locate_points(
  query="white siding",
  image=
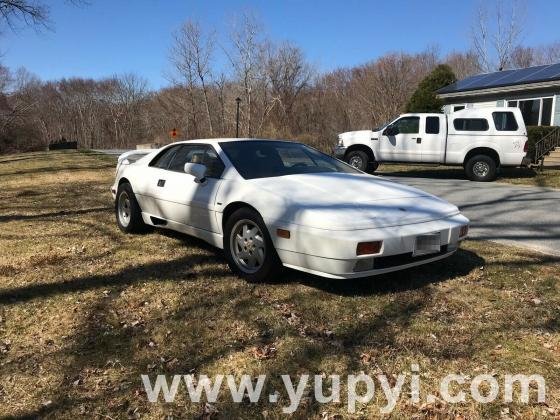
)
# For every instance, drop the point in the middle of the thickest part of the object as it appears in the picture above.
(556, 111)
(488, 104)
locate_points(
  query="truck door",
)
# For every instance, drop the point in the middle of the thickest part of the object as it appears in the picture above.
(399, 141)
(433, 138)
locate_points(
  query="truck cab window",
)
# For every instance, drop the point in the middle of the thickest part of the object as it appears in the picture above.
(408, 125)
(432, 125)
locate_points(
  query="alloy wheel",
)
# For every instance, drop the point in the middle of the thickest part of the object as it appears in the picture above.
(247, 246)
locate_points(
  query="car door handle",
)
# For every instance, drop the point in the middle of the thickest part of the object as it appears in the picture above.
(161, 182)
(418, 139)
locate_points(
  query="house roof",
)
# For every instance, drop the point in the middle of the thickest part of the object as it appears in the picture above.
(501, 79)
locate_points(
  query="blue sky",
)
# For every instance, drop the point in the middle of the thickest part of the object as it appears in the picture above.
(118, 36)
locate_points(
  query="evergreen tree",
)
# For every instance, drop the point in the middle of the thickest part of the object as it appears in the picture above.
(424, 98)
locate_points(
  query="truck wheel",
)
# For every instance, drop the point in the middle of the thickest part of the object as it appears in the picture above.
(373, 166)
(358, 159)
(481, 168)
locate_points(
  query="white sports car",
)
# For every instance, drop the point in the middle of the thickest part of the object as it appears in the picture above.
(270, 203)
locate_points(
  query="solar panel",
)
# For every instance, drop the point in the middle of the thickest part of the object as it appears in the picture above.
(519, 76)
(548, 72)
(506, 78)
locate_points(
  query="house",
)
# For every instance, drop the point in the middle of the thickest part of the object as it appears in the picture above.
(535, 90)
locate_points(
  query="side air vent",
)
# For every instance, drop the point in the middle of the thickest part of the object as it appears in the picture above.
(157, 221)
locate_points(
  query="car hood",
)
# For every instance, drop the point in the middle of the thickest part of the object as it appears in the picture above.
(339, 201)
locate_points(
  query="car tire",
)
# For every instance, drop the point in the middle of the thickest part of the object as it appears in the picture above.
(481, 168)
(357, 159)
(127, 210)
(248, 248)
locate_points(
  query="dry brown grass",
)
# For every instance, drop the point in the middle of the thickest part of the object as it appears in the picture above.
(547, 177)
(85, 309)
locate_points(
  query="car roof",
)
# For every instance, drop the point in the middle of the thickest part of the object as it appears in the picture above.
(227, 140)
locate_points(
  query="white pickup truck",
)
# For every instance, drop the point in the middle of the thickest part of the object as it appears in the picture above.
(480, 139)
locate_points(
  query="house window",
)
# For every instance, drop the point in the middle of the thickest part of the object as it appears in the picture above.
(530, 110)
(546, 115)
(536, 111)
(470, 124)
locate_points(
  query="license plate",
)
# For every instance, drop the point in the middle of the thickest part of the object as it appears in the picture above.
(427, 244)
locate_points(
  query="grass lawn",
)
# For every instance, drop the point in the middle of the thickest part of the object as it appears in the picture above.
(85, 310)
(547, 177)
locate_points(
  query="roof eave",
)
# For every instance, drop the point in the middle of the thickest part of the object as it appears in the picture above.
(500, 89)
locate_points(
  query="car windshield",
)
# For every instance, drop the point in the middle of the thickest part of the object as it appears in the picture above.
(269, 158)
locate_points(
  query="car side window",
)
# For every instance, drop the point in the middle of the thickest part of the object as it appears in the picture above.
(505, 121)
(432, 125)
(162, 160)
(198, 153)
(214, 165)
(187, 154)
(408, 125)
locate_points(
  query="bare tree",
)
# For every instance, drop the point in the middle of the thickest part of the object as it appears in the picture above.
(29, 12)
(463, 64)
(289, 74)
(523, 57)
(496, 35)
(246, 58)
(191, 55)
(5, 79)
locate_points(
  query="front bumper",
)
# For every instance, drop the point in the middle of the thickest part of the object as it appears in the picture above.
(339, 151)
(333, 253)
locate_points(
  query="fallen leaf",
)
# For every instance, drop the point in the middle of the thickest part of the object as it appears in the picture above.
(268, 351)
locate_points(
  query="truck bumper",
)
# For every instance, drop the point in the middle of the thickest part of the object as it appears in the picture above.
(339, 151)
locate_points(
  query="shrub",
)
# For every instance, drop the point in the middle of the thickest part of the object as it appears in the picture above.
(534, 134)
(424, 98)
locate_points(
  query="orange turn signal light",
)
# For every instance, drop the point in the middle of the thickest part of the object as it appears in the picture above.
(368, 248)
(283, 233)
(464, 231)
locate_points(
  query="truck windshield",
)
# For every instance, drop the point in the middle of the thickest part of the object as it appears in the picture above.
(381, 127)
(269, 158)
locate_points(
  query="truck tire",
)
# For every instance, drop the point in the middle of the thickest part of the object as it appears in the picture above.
(481, 168)
(358, 159)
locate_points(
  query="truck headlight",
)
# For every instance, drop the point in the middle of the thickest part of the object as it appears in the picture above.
(340, 142)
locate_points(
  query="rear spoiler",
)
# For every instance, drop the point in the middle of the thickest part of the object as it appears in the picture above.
(133, 156)
(130, 157)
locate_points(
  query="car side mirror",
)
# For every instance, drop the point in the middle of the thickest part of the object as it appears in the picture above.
(197, 170)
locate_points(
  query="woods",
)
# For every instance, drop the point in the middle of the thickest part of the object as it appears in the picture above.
(282, 94)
